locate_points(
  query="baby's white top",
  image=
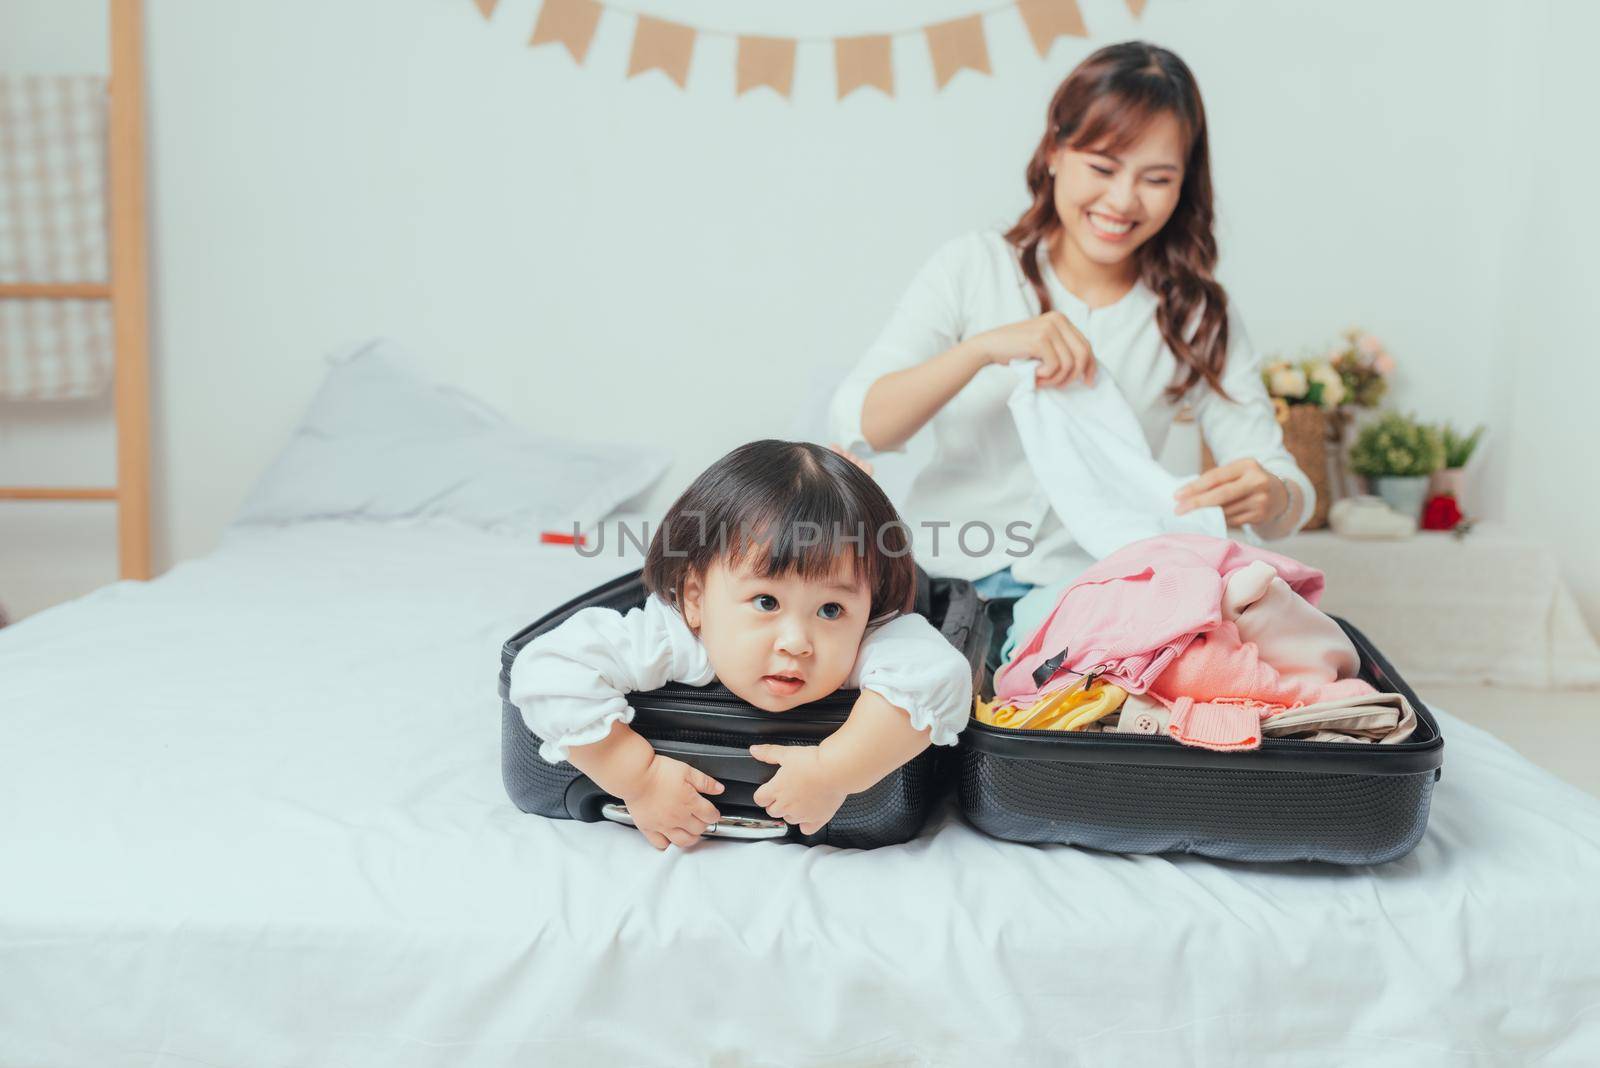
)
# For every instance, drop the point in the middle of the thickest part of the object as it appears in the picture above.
(571, 684)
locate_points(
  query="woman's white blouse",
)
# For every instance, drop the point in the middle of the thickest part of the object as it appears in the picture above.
(978, 471)
(571, 683)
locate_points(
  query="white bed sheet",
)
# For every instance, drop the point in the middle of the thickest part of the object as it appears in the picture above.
(251, 814)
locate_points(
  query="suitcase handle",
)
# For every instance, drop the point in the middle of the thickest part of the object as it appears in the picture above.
(725, 763)
(727, 827)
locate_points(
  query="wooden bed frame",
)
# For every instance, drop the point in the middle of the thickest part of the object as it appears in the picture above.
(128, 293)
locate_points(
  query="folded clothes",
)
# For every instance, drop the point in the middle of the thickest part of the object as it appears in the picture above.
(1379, 718)
(1140, 714)
(1069, 709)
(1224, 724)
(1209, 640)
(1219, 689)
(1131, 614)
(1382, 718)
(1385, 718)
(1300, 641)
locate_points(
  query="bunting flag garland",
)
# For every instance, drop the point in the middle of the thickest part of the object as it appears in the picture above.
(957, 44)
(664, 46)
(765, 61)
(1046, 21)
(570, 23)
(860, 62)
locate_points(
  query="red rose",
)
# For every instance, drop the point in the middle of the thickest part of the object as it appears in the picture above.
(1441, 513)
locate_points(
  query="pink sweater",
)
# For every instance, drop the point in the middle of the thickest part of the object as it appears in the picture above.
(1131, 614)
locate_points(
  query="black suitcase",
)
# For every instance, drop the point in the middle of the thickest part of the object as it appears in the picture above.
(1347, 803)
(710, 728)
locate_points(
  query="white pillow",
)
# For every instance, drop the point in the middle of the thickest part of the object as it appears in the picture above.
(382, 441)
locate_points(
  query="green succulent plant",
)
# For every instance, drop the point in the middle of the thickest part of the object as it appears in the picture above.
(1395, 446)
(1457, 446)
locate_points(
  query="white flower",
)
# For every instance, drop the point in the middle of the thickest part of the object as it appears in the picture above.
(1332, 385)
(1289, 382)
(1369, 346)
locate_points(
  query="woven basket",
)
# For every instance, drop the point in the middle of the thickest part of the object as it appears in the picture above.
(1305, 435)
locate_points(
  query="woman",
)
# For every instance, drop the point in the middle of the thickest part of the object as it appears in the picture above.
(1108, 271)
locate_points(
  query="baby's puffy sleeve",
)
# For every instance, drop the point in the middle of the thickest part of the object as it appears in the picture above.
(570, 683)
(912, 666)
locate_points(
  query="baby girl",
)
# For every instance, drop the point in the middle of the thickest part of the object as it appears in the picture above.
(785, 573)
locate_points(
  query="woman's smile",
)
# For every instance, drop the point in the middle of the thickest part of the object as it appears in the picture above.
(1108, 227)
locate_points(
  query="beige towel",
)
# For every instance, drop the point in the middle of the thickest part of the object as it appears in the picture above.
(1385, 718)
(53, 229)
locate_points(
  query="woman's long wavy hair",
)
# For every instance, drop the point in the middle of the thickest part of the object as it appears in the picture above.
(1106, 103)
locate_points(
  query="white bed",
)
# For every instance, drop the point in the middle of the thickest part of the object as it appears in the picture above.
(251, 814)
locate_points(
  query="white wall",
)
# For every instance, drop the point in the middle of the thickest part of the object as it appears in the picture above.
(1549, 366)
(602, 255)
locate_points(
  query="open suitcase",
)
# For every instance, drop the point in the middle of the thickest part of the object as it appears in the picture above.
(710, 728)
(1348, 803)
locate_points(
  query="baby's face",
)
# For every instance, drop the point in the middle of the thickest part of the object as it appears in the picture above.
(778, 643)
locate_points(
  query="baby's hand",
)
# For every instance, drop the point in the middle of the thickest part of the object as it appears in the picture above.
(804, 792)
(667, 806)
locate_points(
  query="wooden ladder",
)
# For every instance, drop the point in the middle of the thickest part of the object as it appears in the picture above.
(129, 294)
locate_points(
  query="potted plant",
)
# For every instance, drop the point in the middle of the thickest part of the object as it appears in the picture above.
(1398, 454)
(1458, 449)
(1312, 397)
(1365, 367)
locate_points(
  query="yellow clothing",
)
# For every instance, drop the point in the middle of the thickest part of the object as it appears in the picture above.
(1071, 709)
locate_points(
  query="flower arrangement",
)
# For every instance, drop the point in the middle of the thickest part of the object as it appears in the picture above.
(1354, 371)
(1364, 366)
(1458, 447)
(1397, 446)
(1311, 381)
(1314, 399)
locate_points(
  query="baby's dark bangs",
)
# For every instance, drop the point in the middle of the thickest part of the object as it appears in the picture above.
(781, 508)
(806, 534)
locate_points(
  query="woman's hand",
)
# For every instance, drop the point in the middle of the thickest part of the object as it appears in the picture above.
(804, 792)
(1062, 351)
(1246, 492)
(667, 805)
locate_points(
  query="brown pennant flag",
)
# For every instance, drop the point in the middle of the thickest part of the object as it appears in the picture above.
(766, 61)
(1048, 19)
(1137, 7)
(663, 46)
(957, 44)
(567, 22)
(486, 7)
(862, 61)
